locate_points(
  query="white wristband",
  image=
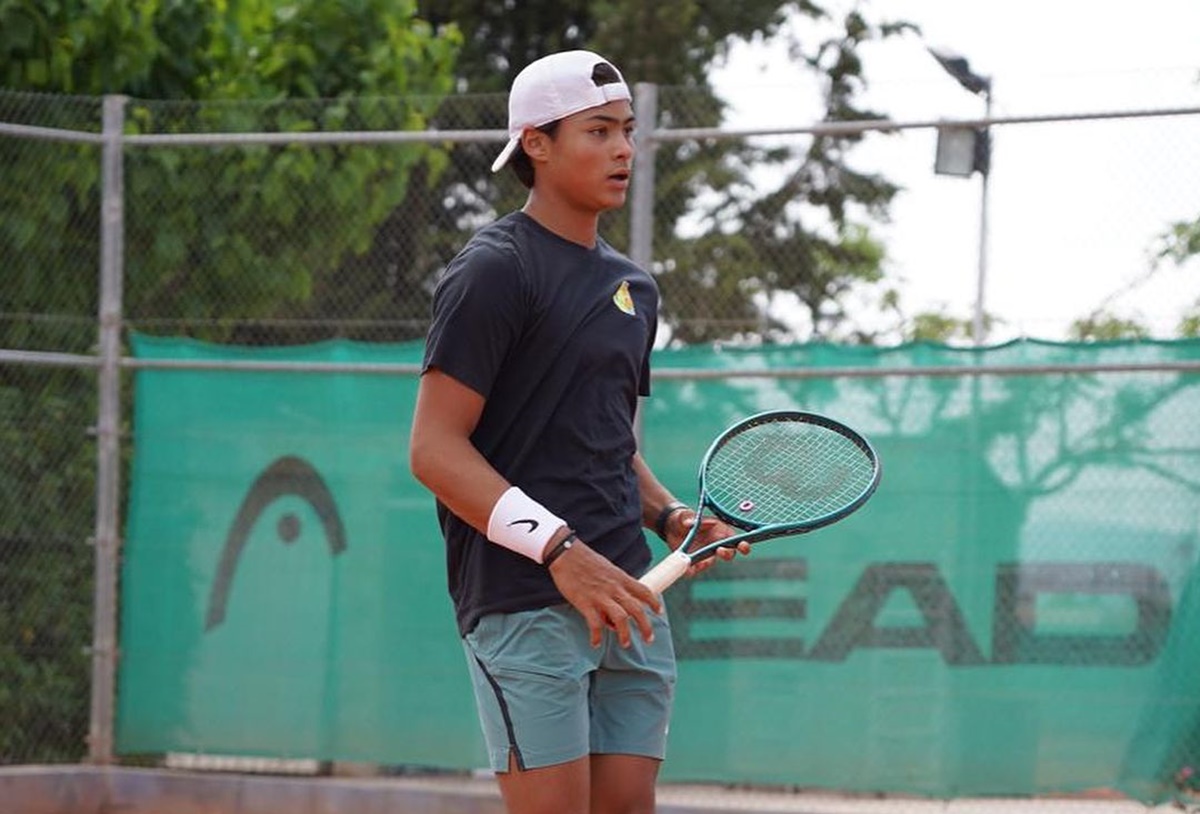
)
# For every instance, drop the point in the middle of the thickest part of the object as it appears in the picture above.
(521, 524)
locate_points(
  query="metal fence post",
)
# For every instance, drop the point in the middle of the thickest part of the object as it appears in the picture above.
(641, 204)
(108, 423)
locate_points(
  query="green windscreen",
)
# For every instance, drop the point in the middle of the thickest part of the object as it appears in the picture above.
(1015, 611)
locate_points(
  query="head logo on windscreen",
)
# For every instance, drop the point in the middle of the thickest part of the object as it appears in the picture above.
(286, 476)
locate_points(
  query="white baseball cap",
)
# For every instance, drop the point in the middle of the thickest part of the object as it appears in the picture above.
(554, 87)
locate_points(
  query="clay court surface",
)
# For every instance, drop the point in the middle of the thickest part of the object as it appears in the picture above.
(99, 790)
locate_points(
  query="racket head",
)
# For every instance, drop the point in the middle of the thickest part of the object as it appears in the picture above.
(787, 472)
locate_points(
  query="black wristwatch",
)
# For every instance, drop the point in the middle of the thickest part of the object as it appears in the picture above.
(660, 524)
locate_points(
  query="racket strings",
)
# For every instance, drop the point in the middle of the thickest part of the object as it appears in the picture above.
(787, 472)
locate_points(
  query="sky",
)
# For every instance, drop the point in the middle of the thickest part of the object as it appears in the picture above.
(1073, 211)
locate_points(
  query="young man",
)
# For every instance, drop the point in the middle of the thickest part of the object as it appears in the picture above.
(524, 431)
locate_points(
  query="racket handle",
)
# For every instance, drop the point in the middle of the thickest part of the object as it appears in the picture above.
(663, 575)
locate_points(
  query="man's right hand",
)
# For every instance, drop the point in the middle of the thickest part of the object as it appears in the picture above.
(604, 594)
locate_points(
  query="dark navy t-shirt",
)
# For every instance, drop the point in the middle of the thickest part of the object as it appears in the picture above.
(556, 337)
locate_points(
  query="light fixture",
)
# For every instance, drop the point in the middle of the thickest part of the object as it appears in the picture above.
(962, 151)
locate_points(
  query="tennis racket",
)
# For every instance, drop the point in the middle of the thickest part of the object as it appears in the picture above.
(775, 474)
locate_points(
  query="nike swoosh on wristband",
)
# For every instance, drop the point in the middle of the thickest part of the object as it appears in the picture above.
(533, 524)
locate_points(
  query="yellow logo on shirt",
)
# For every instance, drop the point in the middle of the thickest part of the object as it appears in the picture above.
(623, 299)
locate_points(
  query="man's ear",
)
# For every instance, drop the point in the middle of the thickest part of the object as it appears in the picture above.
(535, 143)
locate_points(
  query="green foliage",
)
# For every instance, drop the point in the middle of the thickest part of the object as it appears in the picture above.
(809, 233)
(1180, 242)
(264, 227)
(45, 563)
(808, 236)
(224, 49)
(82, 47)
(270, 228)
(1103, 327)
(937, 327)
(1189, 326)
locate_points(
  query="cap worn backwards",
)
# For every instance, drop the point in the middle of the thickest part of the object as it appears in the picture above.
(557, 86)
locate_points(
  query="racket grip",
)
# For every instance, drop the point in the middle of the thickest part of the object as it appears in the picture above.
(663, 575)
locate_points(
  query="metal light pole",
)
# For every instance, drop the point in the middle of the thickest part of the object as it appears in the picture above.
(981, 280)
(980, 160)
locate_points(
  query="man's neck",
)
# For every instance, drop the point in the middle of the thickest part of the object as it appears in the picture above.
(565, 221)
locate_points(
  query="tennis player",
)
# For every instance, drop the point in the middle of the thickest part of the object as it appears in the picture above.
(524, 431)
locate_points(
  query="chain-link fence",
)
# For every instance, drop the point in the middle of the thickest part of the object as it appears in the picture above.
(284, 223)
(49, 253)
(263, 223)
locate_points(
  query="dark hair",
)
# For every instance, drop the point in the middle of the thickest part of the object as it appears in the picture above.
(602, 74)
(520, 162)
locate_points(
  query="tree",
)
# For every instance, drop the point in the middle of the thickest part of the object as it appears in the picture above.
(253, 231)
(807, 238)
(938, 327)
(1103, 327)
(1178, 244)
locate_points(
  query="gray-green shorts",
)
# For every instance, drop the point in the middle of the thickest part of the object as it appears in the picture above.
(546, 696)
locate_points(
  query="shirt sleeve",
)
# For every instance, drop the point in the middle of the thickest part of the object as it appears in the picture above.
(478, 310)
